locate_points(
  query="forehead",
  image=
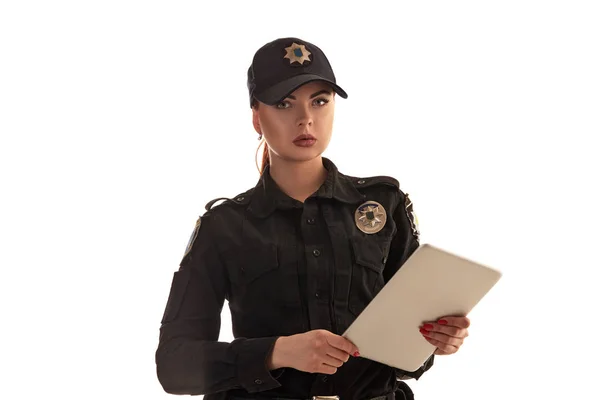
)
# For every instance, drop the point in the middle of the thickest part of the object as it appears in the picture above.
(311, 87)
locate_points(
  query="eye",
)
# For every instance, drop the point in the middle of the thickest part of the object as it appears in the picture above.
(283, 105)
(320, 102)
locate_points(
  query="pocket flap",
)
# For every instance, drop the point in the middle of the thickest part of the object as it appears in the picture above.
(251, 262)
(369, 253)
(176, 295)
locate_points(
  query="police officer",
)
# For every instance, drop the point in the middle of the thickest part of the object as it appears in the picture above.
(297, 257)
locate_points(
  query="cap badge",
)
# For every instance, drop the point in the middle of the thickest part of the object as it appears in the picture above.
(370, 217)
(297, 53)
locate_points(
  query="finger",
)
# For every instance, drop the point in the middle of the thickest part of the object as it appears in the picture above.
(443, 338)
(442, 348)
(332, 361)
(460, 322)
(338, 354)
(342, 343)
(326, 369)
(448, 330)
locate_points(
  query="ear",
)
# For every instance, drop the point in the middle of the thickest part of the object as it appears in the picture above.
(256, 121)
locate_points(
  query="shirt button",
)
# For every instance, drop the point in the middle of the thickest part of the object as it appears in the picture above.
(258, 382)
(310, 221)
(316, 253)
(360, 182)
(324, 379)
(384, 260)
(317, 294)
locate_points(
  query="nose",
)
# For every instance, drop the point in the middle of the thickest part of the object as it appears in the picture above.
(304, 116)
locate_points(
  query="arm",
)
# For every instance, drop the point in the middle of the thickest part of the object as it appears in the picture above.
(404, 243)
(189, 358)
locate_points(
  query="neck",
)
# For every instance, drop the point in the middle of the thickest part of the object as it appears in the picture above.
(298, 179)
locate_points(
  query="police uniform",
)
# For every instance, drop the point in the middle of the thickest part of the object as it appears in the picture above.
(285, 267)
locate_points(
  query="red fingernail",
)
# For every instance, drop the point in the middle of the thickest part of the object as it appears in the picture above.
(428, 327)
(423, 331)
(443, 322)
(356, 354)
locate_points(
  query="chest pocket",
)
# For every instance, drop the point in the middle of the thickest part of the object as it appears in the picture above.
(369, 258)
(262, 275)
(250, 263)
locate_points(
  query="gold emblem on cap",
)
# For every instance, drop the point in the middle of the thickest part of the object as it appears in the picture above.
(370, 217)
(297, 53)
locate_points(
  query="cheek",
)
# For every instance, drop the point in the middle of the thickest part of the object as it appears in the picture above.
(274, 124)
(326, 124)
(274, 129)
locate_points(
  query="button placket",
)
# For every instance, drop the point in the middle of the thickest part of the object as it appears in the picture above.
(316, 264)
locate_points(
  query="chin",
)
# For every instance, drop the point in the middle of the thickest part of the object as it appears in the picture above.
(305, 154)
(301, 154)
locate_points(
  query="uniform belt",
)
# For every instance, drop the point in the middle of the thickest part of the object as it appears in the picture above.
(389, 396)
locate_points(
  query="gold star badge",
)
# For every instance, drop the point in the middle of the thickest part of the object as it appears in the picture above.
(297, 53)
(370, 217)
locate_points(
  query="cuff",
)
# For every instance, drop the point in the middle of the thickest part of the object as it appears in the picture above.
(402, 375)
(252, 372)
(276, 373)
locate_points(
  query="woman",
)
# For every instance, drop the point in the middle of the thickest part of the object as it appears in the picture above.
(298, 257)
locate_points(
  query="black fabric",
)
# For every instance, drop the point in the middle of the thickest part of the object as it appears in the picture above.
(285, 267)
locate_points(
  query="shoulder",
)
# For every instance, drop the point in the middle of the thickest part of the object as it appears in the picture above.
(223, 210)
(368, 185)
(220, 213)
(374, 181)
(240, 200)
(386, 188)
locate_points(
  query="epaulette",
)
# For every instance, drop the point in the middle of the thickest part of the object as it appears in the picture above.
(361, 183)
(240, 199)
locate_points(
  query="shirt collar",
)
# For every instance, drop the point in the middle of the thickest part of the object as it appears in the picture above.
(267, 196)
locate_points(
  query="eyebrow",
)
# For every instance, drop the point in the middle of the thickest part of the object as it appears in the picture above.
(324, 91)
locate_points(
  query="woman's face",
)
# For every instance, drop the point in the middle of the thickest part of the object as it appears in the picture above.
(307, 111)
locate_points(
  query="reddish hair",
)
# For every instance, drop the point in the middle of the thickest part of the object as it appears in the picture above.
(265, 154)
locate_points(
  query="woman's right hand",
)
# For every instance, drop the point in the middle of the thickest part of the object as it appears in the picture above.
(317, 351)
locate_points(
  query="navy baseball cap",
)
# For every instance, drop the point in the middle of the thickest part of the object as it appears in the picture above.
(283, 65)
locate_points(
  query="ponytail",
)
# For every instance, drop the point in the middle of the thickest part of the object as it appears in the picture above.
(265, 154)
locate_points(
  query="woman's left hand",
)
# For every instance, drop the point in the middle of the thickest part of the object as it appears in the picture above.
(447, 334)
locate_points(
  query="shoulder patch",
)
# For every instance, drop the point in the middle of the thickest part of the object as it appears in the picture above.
(243, 198)
(412, 217)
(375, 180)
(193, 237)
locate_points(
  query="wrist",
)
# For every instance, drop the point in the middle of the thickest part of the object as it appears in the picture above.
(276, 359)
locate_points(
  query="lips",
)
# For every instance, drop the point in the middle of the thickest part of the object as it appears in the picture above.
(304, 136)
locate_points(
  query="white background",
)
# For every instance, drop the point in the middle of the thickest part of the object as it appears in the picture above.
(121, 119)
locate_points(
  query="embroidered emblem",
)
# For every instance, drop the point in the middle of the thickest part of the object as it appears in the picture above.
(370, 217)
(297, 53)
(412, 217)
(193, 237)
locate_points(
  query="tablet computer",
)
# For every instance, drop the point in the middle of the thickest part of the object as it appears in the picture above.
(431, 284)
